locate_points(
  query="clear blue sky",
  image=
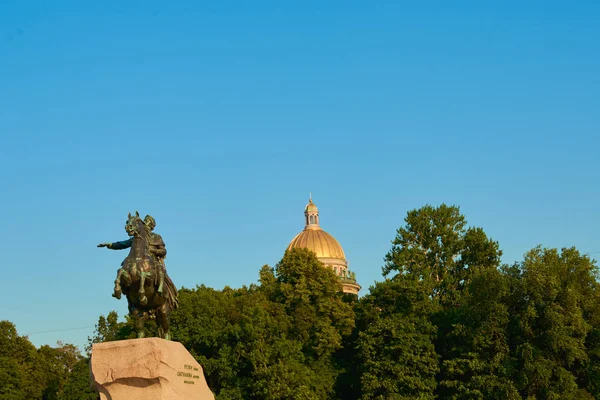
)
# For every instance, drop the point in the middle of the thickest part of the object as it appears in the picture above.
(219, 118)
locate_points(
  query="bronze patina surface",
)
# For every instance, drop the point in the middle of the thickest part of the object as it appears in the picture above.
(143, 276)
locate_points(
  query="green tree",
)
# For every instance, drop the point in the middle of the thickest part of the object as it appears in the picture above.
(109, 329)
(395, 352)
(477, 361)
(556, 324)
(20, 373)
(55, 365)
(435, 248)
(589, 377)
(239, 338)
(77, 386)
(449, 262)
(202, 324)
(11, 380)
(319, 317)
(274, 340)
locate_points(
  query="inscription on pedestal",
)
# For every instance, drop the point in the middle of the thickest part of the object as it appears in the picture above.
(147, 369)
(188, 374)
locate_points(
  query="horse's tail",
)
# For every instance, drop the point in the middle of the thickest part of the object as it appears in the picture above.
(171, 294)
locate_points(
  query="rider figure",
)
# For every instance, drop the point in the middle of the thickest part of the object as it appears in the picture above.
(156, 248)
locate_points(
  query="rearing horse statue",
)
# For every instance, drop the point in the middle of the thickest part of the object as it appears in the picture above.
(137, 279)
(138, 265)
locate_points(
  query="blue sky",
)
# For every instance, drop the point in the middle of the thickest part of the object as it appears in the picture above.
(219, 119)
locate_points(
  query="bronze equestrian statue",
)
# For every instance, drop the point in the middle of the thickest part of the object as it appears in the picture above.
(143, 277)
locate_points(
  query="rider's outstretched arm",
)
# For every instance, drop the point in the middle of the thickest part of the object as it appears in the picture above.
(125, 244)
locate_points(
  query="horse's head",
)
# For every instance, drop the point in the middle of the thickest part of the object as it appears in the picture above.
(135, 226)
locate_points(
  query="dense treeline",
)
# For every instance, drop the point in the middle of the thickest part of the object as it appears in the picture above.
(49, 373)
(448, 321)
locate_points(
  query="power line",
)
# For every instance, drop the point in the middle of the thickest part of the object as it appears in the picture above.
(59, 330)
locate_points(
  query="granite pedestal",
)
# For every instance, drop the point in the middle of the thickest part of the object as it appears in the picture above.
(146, 369)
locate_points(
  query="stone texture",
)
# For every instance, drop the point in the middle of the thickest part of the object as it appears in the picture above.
(147, 369)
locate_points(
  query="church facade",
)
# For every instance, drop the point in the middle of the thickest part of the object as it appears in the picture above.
(326, 247)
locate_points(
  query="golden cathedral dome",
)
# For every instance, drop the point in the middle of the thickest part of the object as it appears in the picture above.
(327, 249)
(319, 241)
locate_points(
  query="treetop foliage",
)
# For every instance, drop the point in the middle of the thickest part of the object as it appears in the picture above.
(447, 321)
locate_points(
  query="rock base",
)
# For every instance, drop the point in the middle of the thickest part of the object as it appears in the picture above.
(146, 369)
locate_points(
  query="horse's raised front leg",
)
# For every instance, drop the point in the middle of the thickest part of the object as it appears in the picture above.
(117, 292)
